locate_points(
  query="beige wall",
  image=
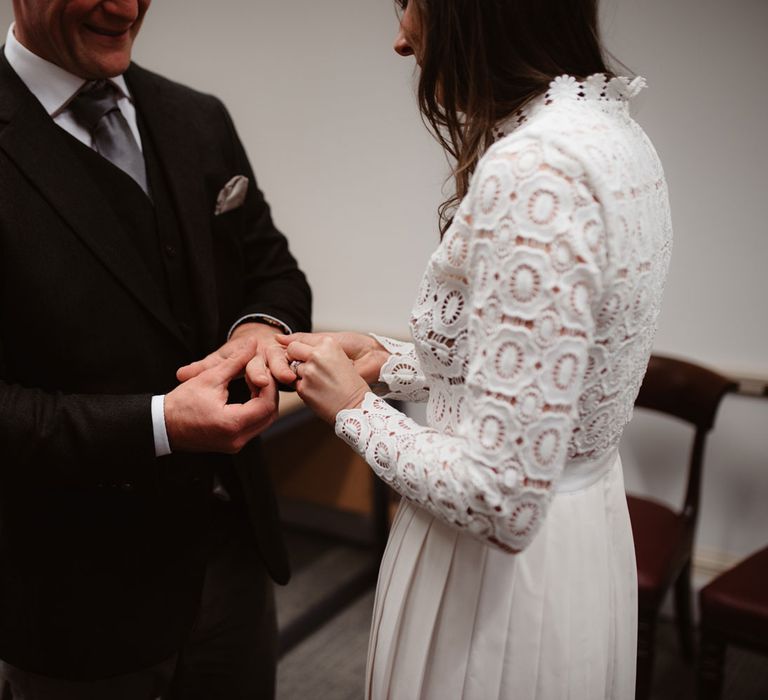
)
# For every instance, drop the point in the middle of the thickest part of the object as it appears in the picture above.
(326, 111)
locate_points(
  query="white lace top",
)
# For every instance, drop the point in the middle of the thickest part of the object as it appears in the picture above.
(535, 318)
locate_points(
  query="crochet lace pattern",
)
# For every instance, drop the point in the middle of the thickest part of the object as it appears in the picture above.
(535, 317)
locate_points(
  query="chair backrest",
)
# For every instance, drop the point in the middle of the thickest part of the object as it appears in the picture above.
(684, 390)
(691, 393)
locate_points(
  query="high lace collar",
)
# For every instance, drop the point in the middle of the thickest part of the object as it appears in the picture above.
(599, 87)
(607, 91)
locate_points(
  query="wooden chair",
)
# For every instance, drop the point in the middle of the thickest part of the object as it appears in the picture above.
(734, 610)
(664, 537)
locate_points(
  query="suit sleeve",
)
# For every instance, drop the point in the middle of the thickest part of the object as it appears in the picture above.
(56, 438)
(274, 285)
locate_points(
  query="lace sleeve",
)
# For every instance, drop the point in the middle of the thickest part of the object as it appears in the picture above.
(402, 373)
(530, 323)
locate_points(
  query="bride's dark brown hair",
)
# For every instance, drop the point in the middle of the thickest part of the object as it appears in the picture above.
(482, 60)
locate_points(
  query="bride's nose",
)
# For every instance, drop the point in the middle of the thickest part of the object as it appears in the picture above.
(402, 46)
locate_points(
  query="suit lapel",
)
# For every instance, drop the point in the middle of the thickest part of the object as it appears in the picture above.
(40, 150)
(175, 143)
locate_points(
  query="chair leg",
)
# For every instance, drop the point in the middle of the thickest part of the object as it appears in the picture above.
(684, 612)
(646, 639)
(709, 676)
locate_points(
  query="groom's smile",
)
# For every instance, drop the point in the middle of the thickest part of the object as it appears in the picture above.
(92, 39)
(107, 32)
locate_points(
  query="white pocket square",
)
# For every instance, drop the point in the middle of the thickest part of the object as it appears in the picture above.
(232, 195)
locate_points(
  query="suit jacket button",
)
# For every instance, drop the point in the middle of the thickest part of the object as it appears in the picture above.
(170, 251)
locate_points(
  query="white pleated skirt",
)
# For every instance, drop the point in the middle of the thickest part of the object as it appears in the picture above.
(455, 618)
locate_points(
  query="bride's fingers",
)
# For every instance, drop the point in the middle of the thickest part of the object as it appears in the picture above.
(306, 338)
(299, 351)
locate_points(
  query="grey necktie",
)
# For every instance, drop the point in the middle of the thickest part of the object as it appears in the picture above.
(95, 108)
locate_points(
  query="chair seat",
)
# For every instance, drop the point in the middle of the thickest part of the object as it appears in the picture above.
(736, 602)
(660, 535)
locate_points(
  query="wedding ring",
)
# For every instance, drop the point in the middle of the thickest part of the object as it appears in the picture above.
(295, 367)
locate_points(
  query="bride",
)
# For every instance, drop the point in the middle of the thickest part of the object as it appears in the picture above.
(510, 569)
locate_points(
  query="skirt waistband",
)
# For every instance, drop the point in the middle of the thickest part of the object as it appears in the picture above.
(582, 474)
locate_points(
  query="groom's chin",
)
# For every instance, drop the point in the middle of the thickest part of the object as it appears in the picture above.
(101, 57)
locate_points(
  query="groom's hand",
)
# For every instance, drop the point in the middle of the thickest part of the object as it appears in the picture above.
(199, 419)
(267, 359)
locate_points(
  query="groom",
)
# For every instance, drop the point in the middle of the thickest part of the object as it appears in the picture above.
(138, 532)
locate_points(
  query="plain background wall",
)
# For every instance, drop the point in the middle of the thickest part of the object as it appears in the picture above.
(327, 113)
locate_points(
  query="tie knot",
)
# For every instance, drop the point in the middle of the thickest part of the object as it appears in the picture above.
(94, 101)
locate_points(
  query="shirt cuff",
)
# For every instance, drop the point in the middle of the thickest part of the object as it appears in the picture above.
(162, 446)
(261, 318)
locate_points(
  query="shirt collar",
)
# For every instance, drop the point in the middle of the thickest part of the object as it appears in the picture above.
(53, 86)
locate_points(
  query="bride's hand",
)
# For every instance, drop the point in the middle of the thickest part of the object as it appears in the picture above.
(327, 379)
(366, 353)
